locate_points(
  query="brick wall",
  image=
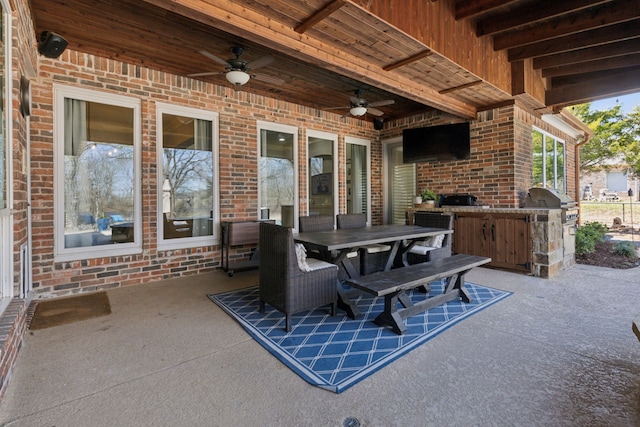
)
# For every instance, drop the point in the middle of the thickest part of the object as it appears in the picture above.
(238, 113)
(499, 170)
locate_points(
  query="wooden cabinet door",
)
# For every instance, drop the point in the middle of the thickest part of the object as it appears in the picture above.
(471, 234)
(510, 241)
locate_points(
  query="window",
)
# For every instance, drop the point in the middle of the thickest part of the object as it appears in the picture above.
(548, 161)
(96, 173)
(187, 176)
(6, 246)
(358, 165)
(322, 180)
(278, 185)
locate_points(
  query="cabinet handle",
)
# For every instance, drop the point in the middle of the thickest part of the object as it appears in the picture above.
(493, 232)
(484, 231)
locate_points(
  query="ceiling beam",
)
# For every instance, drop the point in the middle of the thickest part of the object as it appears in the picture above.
(607, 14)
(243, 22)
(609, 50)
(409, 60)
(469, 8)
(586, 90)
(531, 13)
(599, 36)
(592, 66)
(320, 15)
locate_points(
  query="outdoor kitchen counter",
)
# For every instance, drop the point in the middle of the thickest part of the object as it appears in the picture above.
(552, 241)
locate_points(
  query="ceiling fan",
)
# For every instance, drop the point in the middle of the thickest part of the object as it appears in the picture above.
(237, 69)
(359, 106)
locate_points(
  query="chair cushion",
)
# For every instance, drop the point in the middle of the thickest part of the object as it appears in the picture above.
(433, 241)
(376, 248)
(301, 255)
(421, 250)
(317, 264)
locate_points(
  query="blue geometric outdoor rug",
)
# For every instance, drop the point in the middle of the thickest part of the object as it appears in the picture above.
(335, 353)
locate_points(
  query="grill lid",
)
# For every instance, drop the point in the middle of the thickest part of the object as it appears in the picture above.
(539, 197)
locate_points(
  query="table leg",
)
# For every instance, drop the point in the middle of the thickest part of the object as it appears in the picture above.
(345, 303)
(390, 315)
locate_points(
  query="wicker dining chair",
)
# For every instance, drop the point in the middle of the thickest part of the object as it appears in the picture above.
(423, 252)
(315, 223)
(286, 287)
(372, 257)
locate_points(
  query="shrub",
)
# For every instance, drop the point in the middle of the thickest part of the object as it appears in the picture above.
(625, 249)
(588, 235)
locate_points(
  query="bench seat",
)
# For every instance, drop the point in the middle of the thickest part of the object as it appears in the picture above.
(392, 285)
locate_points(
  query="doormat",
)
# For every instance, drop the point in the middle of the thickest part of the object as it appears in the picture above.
(337, 352)
(61, 311)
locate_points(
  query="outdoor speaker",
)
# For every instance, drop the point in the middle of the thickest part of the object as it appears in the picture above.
(377, 123)
(51, 44)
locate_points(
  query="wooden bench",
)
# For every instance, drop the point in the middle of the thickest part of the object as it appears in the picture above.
(392, 285)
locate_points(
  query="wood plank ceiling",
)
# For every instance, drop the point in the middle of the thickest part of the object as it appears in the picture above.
(324, 50)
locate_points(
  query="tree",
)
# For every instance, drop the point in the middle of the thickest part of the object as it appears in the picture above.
(616, 136)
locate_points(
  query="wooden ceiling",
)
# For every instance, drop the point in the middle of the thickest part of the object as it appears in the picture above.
(585, 49)
(324, 50)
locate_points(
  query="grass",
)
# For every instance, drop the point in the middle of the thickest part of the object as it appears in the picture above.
(605, 212)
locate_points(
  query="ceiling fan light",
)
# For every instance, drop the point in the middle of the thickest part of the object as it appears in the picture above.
(237, 77)
(358, 111)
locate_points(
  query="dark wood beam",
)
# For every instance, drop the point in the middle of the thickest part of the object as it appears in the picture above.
(599, 36)
(408, 60)
(533, 12)
(469, 8)
(586, 90)
(592, 66)
(464, 86)
(601, 16)
(609, 50)
(319, 15)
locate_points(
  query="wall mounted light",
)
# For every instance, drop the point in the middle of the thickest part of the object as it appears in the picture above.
(237, 77)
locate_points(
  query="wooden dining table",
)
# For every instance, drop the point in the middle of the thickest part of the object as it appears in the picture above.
(336, 244)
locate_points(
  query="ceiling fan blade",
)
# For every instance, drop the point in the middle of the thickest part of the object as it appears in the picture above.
(374, 111)
(214, 58)
(381, 103)
(208, 73)
(268, 79)
(260, 62)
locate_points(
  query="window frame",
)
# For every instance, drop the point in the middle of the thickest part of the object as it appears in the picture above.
(334, 140)
(366, 143)
(556, 141)
(6, 214)
(60, 93)
(293, 130)
(194, 241)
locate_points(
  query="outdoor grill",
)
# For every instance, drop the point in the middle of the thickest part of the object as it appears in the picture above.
(552, 199)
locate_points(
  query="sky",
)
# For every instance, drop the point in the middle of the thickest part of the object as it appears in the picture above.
(627, 101)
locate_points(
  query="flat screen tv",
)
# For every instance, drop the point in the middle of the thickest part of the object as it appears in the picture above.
(444, 142)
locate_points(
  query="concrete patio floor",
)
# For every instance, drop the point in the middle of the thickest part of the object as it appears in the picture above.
(557, 352)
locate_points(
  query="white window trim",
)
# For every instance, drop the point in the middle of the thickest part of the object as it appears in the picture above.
(60, 92)
(334, 138)
(188, 242)
(556, 141)
(277, 127)
(6, 215)
(366, 143)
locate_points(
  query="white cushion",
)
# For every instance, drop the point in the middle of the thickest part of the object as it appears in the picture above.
(376, 248)
(301, 255)
(433, 241)
(421, 250)
(316, 264)
(352, 254)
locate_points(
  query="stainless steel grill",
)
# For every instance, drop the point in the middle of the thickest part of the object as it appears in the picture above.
(552, 199)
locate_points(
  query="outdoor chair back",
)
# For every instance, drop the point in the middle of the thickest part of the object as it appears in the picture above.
(434, 220)
(283, 284)
(372, 257)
